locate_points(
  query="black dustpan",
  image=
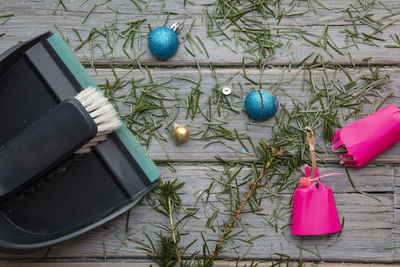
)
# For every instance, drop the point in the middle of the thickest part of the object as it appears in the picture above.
(82, 192)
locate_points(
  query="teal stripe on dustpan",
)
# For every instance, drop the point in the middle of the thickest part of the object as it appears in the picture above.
(83, 77)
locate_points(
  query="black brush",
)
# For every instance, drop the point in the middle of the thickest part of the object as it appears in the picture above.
(75, 125)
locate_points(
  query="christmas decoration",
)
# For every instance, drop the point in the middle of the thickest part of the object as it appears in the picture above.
(314, 207)
(305, 181)
(226, 91)
(181, 133)
(260, 105)
(369, 137)
(164, 42)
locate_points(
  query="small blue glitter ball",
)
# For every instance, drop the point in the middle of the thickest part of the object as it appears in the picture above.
(260, 105)
(163, 42)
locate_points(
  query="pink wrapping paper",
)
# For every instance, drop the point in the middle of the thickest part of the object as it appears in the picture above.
(369, 137)
(314, 210)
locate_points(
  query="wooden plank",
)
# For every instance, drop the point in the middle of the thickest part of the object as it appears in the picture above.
(368, 179)
(269, 77)
(367, 244)
(154, 8)
(146, 263)
(367, 233)
(35, 17)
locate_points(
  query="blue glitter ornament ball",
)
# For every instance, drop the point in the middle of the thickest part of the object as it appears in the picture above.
(163, 42)
(260, 105)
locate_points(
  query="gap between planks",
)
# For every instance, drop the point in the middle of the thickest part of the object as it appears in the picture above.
(396, 215)
(276, 63)
(143, 263)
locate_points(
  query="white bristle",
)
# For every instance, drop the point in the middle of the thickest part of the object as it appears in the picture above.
(102, 112)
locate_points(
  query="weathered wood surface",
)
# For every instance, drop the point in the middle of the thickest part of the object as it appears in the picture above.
(269, 77)
(372, 228)
(35, 16)
(368, 234)
(146, 263)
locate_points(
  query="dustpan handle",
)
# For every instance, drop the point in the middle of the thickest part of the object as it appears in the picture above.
(45, 144)
(311, 145)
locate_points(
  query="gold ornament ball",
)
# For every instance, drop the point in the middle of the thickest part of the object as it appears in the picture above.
(181, 134)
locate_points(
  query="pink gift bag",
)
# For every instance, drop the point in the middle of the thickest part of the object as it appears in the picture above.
(369, 137)
(314, 209)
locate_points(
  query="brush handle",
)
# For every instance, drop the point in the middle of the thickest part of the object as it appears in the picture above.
(45, 144)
